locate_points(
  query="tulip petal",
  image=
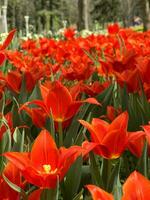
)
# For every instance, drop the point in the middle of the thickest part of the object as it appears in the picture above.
(91, 129)
(115, 143)
(120, 122)
(72, 109)
(99, 194)
(58, 100)
(136, 187)
(2, 58)
(8, 39)
(100, 127)
(35, 195)
(67, 158)
(136, 142)
(20, 160)
(92, 101)
(44, 151)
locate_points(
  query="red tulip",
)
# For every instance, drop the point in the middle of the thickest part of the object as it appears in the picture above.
(99, 194)
(45, 164)
(5, 45)
(136, 142)
(13, 81)
(12, 173)
(111, 138)
(130, 78)
(136, 187)
(113, 28)
(58, 101)
(69, 33)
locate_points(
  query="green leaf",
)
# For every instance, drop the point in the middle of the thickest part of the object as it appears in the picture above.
(6, 141)
(15, 187)
(2, 104)
(106, 171)
(106, 96)
(79, 138)
(18, 140)
(36, 93)
(106, 99)
(113, 178)
(51, 194)
(78, 196)
(124, 98)
(72, 180)
(23, 95)
(73, 129)
(16, 118)
(95, 170)
(50, 126)
(142, 165)
(117, 189)
(5, 144)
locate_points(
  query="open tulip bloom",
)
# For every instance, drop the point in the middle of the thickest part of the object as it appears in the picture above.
(45, 164)
(111, 138)
(136, 187)
(58, 101)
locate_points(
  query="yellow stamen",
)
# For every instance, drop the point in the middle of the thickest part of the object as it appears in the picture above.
(47, 169)
(115, 156)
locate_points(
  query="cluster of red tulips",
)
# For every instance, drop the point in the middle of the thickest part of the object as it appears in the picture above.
(75, 117)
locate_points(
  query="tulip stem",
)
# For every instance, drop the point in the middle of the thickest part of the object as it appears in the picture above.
(105, 171)
(49, 194)
(97, 178)
(60, 131)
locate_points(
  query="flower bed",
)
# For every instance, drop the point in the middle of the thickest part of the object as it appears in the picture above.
(75, 117)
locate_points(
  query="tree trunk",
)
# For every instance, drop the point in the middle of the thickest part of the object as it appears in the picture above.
(145, 13)
(51, 17)
(86, 14)
(81, 23)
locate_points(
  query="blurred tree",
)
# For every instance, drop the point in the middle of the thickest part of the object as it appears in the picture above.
(128, 11)
(104, 11)
(17, 9)
(44, 14)
(144, 7)
(81, 23)
(133, 8)
(49, 14)
(86, 13)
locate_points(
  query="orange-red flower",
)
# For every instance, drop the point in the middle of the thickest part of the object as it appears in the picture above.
(45, 164)
(113, 28)
(130, 78)
(12, 174)
(5, 45)
(136, 142)
(111, 138)
(69, 33)
(136, 187)
(58, 101)
(99, 194)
